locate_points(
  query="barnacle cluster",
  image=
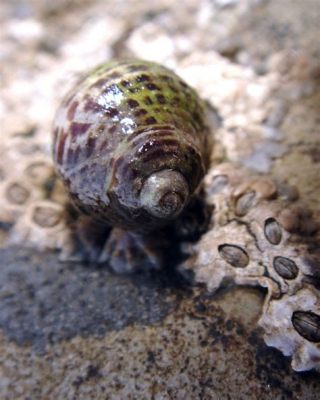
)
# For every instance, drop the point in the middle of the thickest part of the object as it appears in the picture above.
(261, 235)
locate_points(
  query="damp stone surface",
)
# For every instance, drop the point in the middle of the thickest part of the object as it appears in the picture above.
(256, 63)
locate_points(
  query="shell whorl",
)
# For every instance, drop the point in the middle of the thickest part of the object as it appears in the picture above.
(164, 194)
(117, 130)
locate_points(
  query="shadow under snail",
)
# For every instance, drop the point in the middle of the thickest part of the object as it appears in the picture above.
(132, 145)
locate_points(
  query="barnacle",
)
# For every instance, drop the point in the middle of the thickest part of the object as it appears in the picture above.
(261, 235)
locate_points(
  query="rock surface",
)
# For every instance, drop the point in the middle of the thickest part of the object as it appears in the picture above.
(74, 332)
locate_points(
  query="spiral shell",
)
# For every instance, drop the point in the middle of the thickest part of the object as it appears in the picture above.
(131, 144)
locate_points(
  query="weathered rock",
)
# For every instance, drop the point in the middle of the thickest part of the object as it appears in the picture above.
(238, 55)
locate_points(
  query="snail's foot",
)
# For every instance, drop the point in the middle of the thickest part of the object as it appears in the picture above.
(127, 252)
(194, 221)
(86, 239)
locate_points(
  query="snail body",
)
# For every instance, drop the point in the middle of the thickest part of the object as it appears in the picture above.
(131, 144)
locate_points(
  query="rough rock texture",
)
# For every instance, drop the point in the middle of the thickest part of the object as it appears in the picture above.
(261, 235)
(256, 63)
(79, 333)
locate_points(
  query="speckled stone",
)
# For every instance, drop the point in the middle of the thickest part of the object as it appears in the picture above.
(79, 333)
(176, 344)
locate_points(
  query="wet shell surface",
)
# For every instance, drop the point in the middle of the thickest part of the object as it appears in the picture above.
(131, 144)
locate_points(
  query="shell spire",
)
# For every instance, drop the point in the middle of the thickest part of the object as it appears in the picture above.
(131, 144)
(164, 194)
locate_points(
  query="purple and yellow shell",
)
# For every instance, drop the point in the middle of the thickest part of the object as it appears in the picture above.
(131, 144)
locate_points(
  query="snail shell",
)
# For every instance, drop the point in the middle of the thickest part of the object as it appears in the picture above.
(131, 144)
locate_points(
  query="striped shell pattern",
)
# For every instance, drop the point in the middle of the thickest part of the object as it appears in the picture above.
(131, 144)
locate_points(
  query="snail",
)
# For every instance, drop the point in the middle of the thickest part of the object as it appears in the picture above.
(132, 145)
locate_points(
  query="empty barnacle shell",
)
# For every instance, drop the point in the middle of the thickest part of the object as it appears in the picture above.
(17, 193)
(285, 267)
(218, 183)
(307, 324)
(244, 203)
(234, 255)
(43, 224)
(46, 216)
(272, 231)
(291, 323)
